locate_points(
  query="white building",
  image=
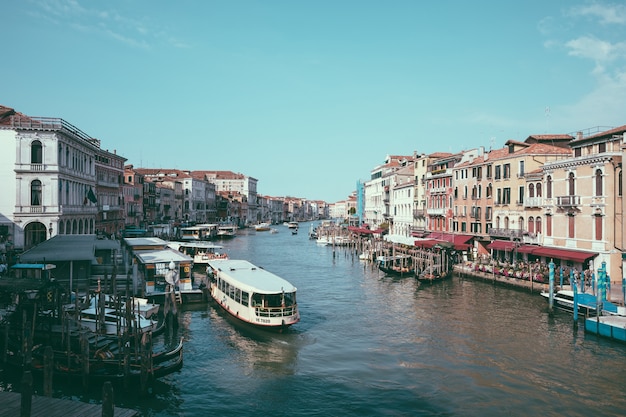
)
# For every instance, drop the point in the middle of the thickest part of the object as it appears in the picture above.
(402, 201)
(47, 179)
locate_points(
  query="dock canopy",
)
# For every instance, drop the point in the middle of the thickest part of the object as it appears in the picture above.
(404, 240)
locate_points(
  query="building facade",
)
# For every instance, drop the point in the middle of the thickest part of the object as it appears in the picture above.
(49, 180)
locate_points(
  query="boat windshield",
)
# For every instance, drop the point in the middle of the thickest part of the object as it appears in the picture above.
(274, 300)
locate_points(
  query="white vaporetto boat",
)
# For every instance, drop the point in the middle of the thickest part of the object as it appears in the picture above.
(201, 252)
(226, 231)
(252, 294)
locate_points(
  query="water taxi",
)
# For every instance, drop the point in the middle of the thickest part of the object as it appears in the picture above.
(262, 227)
(252, 294)
(198, 232)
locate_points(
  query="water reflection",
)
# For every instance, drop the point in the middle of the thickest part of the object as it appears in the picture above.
(257, 349)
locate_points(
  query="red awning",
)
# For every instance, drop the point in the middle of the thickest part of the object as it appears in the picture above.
(505, 245)
(527, 248)
(563, 254)
(459, 241)
(363, 230)
(426, 243)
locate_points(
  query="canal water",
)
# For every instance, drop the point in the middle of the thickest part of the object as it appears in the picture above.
(372, 345)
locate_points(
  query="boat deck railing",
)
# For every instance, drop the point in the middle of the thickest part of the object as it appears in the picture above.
(276, 311)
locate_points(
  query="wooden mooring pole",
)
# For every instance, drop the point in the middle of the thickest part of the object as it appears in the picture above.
(27, 394)
(48, 364)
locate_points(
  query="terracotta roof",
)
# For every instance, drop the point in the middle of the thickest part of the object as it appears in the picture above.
(5, 113)
(165, 172)
(608, 133)
(440, 154)
(545, 149)
(220, 175)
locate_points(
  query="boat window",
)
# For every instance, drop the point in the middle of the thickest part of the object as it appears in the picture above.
(290, 298)
(257, 300)
(238, 295)
(244, 298)
(273, 300)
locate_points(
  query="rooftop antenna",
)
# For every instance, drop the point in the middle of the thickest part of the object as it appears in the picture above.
(547, 112)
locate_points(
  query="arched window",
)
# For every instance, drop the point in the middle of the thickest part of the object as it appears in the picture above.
(520, 221)
(571, 182)
(598, 182)
(35, 193)
(489, 190)
(538, 189)
(531, 225)
(36, 152)
(538, 225)
(531, 190)
(506, 223)
(549, 186)
(480, 191)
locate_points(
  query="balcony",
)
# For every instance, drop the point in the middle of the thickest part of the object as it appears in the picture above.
(568, 201)
(531, 202)
(436, 211)
(419, 213)
(508, 233)
(78, 209)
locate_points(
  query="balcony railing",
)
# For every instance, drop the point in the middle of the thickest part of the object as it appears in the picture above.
(568, 200)
(509, 233)
(419, 213)
(533, 202)
(436, 211)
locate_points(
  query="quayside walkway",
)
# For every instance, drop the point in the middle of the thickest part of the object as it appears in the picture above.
(55, 407)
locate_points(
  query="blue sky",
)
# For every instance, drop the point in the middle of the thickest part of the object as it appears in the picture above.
(309, 96)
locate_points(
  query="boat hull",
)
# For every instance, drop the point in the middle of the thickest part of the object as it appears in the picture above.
(265, 321)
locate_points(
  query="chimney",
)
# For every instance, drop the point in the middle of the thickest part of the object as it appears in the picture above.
(579, 135)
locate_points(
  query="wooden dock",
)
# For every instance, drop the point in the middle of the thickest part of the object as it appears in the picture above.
(55, 407)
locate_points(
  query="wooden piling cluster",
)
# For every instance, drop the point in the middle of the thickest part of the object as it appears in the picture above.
(370, 247)
(43, 318)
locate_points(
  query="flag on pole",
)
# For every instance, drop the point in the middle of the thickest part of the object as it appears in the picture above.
(91, 196)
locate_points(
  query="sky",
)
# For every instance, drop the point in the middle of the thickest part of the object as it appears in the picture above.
(308, 97)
